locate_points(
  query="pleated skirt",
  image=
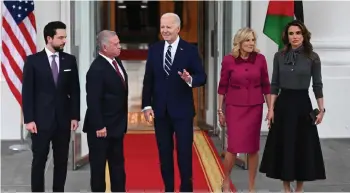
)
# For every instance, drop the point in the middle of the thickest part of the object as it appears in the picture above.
(292, 151)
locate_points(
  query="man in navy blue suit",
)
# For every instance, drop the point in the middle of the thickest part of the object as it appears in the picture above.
(173, 68)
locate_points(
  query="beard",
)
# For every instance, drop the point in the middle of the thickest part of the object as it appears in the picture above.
(58, 48)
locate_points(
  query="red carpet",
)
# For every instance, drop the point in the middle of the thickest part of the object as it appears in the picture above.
(133, 55)
(142, 164)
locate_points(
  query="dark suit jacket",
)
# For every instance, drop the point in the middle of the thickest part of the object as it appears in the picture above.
(42, 100)
(171, 93)
(107, 99)
(244, 82)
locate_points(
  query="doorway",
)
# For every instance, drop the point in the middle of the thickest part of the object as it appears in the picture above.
(137, 25)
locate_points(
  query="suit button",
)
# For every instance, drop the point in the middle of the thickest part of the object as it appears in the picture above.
(246, 69)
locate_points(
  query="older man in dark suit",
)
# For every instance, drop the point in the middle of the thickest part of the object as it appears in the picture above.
(173, 68)
(107, 114)
(51, 105)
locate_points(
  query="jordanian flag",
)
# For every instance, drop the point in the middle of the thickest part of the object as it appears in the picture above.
(279, 14)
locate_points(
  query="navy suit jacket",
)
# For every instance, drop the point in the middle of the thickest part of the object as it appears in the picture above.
(42, 100)
(170, 94)
(106, 98)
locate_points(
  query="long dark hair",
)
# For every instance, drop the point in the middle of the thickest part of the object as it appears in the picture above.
(306, 35)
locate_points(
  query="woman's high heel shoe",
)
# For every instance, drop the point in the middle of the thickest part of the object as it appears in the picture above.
(225, 187)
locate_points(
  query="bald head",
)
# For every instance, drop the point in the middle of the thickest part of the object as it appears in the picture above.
(108, 43)
(170, 27)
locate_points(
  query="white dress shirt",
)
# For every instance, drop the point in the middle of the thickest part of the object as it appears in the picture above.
(110, 61)
(57, 58)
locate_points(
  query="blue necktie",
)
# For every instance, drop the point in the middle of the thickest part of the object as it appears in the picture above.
(168, 61)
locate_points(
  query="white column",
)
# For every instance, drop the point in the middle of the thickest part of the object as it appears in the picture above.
(331, 40)
(66, 18)
(85, 41)
(219, 40)
(209, 61)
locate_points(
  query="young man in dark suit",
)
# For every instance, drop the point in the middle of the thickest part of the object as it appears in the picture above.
(51, 105)
(173, 68)
(107, 114)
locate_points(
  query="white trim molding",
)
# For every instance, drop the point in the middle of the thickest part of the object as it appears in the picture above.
(331, 44)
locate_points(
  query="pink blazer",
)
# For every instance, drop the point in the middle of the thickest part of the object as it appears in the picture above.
(244, 82)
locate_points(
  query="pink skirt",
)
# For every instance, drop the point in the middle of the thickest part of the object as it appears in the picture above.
(243, 128)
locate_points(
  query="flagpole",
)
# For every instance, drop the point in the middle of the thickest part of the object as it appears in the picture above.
(22, 146)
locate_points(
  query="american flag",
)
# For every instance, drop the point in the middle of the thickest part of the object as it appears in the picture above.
(18, 36)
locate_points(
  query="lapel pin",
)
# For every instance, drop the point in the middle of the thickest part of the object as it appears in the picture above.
(181, 49)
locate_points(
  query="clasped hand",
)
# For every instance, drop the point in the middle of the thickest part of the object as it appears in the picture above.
(101, 132)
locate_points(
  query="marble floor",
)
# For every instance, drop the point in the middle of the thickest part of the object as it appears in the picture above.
(15, 171)
(135, 71)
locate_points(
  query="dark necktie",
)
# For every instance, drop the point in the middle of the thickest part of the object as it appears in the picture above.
(118, 72)
(167, 61)
(54, 69)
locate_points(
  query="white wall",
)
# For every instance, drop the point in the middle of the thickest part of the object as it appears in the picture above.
(266, 46)
(331, 40)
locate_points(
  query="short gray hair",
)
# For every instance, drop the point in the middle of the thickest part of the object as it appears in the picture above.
(175, 16)
(103, 38)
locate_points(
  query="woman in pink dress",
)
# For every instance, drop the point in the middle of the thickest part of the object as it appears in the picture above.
(244, 83)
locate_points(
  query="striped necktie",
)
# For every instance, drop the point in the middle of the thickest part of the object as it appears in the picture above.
(168, 61)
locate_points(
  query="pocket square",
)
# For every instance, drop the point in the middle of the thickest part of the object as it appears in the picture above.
(67, 70)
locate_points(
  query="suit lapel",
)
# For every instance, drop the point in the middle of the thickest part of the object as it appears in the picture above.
(123, 69)
(177, 58)
(112, 69)
(178, 54)
(62, 65)
(161, 55)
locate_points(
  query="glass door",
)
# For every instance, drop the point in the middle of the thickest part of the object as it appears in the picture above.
(86, 23)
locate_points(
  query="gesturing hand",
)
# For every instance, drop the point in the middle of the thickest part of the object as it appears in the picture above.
(185, 75)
